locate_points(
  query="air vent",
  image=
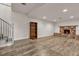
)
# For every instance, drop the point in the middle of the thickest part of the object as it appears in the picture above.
(23, 3)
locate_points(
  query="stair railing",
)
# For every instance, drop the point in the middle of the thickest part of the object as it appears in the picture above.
(6, 31)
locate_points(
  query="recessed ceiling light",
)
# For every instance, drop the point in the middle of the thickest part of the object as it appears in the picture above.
(44, 17)
(54, 20)
(65, 10)
(71, 17)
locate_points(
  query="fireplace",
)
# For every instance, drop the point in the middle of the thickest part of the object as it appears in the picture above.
(66, 31)
(69, 31)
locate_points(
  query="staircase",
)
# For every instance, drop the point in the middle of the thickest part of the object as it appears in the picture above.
(6, 32)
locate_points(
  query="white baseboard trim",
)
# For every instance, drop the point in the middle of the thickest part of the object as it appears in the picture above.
(20, 38)
(28, 38)
(44, 36)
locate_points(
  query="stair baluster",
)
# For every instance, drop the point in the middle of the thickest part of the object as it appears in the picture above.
(6, 31)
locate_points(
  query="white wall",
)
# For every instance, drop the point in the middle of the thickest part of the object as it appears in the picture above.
(5, 13)
(45, 28)
(67, 23)
(21, 26)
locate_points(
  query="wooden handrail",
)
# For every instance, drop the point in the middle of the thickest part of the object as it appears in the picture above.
(4, 21)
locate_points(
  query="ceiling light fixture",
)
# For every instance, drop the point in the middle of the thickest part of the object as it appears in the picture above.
(54, 20)
(71, 17)
(44, 17)
(65, 10)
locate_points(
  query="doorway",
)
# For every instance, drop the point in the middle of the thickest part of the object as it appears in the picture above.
(33, 30)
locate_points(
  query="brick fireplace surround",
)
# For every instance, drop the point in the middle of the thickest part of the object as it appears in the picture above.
(68, 31)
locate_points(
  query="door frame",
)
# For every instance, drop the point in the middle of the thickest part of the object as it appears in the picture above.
(35, 37)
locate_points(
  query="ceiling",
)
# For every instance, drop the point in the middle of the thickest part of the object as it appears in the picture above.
(6, 4)
(48, 11)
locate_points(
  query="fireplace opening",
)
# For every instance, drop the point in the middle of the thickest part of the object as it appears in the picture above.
(66, 31)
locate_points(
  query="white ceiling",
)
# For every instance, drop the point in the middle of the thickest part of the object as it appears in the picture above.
(52, 11)
(7, 4)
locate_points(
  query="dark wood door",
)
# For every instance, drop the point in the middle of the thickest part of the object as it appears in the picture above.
(33, 30)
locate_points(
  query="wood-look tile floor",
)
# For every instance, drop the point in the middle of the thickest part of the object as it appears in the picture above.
(48, 46)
